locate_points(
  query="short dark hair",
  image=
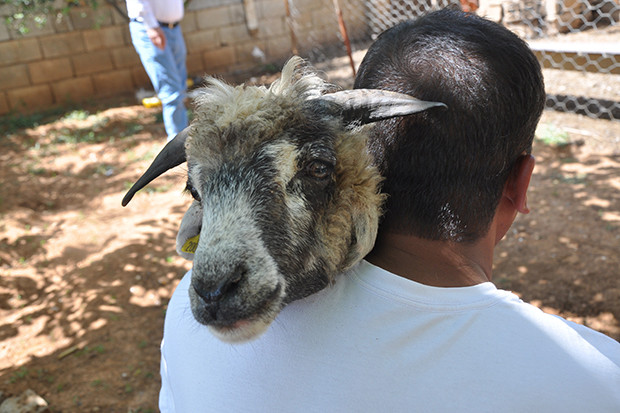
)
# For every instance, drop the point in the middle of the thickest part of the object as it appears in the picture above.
(445, 169)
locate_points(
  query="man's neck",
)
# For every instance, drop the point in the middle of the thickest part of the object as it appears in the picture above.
(434, 263)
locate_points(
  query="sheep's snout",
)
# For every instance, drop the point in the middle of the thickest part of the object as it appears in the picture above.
(211, 296)
(236, 298)
(231, 312)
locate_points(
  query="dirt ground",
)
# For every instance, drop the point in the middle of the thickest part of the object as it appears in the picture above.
(84, 282)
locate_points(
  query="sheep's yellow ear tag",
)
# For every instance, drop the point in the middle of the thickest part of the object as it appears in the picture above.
(191, 244)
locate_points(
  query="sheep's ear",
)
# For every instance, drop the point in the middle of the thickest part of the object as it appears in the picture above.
(189, 231)
(171, 155)
(372, 105)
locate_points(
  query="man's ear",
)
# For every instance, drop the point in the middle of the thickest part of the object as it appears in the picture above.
(518, 182)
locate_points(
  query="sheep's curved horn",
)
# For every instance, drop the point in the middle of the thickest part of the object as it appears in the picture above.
(372, 105)
(171, 155)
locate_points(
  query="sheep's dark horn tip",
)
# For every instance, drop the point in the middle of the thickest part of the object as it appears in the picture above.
(126, 199)
(173, 154)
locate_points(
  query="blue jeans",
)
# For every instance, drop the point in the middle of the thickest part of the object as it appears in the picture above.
(167, 71)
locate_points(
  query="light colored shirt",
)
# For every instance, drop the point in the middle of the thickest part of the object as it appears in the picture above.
(151, 11)
(377, 342)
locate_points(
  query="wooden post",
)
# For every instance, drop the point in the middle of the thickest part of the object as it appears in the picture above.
(345, 35)
(289, 21)
(251, 21)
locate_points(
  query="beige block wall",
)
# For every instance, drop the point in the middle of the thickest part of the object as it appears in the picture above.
(30, 98)
(14, 76)
(64, 44)
(73, 90)
(4, 103)
(89, 52)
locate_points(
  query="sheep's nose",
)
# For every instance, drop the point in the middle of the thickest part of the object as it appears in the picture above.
(213, 293)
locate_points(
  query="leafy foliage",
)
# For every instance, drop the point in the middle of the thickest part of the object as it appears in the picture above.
(25, 13)
(552, 135)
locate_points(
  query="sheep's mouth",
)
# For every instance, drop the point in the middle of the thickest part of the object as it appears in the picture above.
(241, 331)
(238, 323)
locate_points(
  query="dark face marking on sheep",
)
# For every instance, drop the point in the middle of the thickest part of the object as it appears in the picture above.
(259, 244)
(285, 194)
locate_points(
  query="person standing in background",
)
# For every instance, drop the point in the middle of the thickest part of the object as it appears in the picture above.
(156, 35)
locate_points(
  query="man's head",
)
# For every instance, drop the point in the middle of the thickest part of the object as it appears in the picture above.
(445, 169)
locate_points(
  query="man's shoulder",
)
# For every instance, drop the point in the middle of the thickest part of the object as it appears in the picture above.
(557, 329)
(494, 316)
(509, 355)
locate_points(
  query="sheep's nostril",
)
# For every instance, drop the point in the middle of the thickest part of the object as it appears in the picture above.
(213, 294)
(224, 287)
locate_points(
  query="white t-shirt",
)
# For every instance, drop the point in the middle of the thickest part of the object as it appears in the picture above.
(151, 11)
(377, 342)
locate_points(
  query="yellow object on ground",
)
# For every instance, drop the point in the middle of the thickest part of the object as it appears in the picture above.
(152, 102)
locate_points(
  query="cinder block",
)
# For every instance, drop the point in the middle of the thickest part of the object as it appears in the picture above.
(195, 5)
(198, 5)
(231, 35)
(20, 51)
(4, 104)
(278, 48)
(270, 9)
(113, 83)
(220, 58)
(50, 70)
(195, 66)
(305, 5)
(325, 18)
(304, 20)
(125, 57)
(140, 78)
(201, 40)
(205, 4)
(14, 76)
(62, 44)
(126, 34)
(356, 22)
(94, 62)
(4, 33)
(62, 24)
(106, 37)
(73, 90)
(32, 29)
(120, 18)
(272, 27)
(327, 33)
(213, 17)
(353, 14)
(189, 24)
(243, 53)
(85, 18)
(236, 13)
(30, 98)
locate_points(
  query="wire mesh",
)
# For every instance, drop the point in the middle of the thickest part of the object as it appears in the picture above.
(576, 41)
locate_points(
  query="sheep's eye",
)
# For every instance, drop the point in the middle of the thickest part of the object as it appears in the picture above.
(190, 188)
(319, 170)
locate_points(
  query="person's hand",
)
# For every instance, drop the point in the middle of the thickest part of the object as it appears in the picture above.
(158, 37)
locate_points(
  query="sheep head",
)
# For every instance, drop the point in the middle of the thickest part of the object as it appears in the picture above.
(285, 193)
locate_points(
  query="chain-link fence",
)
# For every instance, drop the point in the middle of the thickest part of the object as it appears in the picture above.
(576, 41)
